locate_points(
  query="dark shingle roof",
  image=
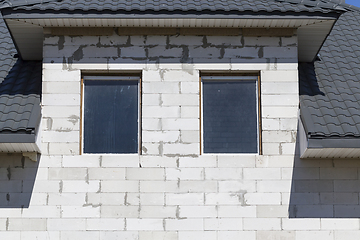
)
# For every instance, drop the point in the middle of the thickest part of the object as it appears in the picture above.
(20, 98)
(330, 88)
(323, 6)
(7, 50)
(20, 88)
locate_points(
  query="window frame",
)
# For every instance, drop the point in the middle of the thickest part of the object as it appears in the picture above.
(228, 78)
(117, 77)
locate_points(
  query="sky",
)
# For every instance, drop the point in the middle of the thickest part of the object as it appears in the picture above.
(353, 2)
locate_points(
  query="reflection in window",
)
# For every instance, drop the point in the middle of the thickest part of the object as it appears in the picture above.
(230, 115)
(111, 112)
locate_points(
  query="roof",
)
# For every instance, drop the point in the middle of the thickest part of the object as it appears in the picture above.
(313, 18)
(7, 50)
(19, 96)
(20, 90)
(323, 6)
(330, 87)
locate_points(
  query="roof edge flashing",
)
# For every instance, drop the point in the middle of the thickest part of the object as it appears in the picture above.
(108, 14)
(321, 143)
(311, 148)
(310, 142)
(170, 22)
(22, 143)
(17, 138)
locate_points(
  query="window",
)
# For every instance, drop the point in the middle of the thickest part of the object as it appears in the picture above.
(111, 114)
(230, 114)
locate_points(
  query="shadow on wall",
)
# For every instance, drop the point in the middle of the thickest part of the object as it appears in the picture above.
(17, 178)
(24, 78)
(159, 49)
(325, 188)
(308, 81)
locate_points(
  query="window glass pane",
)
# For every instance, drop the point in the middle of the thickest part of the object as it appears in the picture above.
(230, 117)
(110, 116)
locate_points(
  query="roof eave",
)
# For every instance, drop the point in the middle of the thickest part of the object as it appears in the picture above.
(17, 137)
(21, 29)
(326, 147)
(9, 13)
(344, 143)
(332, 148)
(20, 142)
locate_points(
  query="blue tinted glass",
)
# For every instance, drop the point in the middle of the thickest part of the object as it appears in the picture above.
(110, 116)
(230, 117)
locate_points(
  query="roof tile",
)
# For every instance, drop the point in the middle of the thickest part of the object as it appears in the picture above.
(337, 76)
(20, 87)
(323, 6)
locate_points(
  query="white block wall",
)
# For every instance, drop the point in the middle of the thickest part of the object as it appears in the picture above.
(170, 191)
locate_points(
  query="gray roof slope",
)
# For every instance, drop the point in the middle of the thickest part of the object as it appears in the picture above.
(20, 98)
(311, 6)
(330, 87)
(7, 50)
(20, 88)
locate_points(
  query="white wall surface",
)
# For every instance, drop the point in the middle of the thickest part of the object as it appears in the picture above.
(170, 191)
